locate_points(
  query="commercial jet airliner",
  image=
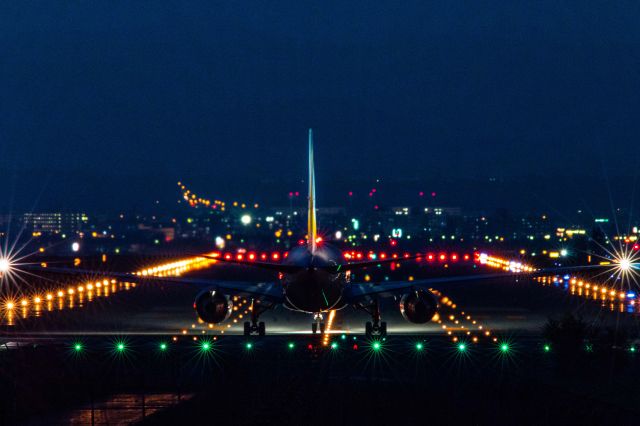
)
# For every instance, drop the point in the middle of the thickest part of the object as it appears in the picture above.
(314, 279)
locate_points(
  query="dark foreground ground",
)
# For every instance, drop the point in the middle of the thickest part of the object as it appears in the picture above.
(271, 383)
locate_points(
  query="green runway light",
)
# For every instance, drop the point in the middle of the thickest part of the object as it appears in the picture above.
(120, 347)
(547, 348)
(462, 347)
(419, 346)
(504, 348)
(343, 337)
(632, 349)
(292, 345)
(249, 345)
(334, 345)
(376, 346)
(163, 346)
(205, 346)
(77, 347)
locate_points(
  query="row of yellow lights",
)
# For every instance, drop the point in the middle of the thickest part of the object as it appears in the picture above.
(456, 322)
(513, 266)
(194, 200)
(70, 291)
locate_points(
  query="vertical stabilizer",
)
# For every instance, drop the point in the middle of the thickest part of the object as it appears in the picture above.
(311, 218)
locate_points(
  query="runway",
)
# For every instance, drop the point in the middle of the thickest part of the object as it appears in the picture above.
(479, 309)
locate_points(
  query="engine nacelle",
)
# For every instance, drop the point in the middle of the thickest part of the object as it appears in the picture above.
(212, 306)
(419, 306)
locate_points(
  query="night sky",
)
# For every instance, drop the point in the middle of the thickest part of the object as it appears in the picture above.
(109, 103)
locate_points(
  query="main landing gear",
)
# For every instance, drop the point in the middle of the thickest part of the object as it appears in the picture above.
(255, 326)
(318, 323)
(375, 327)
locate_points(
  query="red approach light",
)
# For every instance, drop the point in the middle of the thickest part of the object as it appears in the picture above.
(636, 246)
(430, 257)
(263, 256)
(442, 257)
(433, 194)
(394, 255)
(297, 194)
(406, 255)
(467, 257)
(310, 346)
(355, 346)
(454, 257)
(301, 242)
(393, 243)
(421, 194)
(359, 255)
(383, 255)
(252, 256)
(239, 256)
(374, 190)
(275, 255)
(371, 255)
(227, 256)
(350, 193)
(375, 207)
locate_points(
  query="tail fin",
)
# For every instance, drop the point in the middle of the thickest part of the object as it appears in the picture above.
(312, 231)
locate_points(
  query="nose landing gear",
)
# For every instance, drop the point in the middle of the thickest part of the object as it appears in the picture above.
(318, 323)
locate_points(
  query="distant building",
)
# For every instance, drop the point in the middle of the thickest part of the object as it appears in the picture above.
(54, 223)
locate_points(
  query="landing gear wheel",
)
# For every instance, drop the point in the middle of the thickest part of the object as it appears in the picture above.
(261, 329)
(383, 329)
(368, 329)
(314, 327)
(322, 327)
(247, 328)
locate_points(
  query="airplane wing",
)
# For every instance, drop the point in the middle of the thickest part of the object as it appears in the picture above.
(279, 267)
(266, 290)
(356, 291)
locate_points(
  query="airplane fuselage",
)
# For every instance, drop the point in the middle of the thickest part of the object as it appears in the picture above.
(317, 287)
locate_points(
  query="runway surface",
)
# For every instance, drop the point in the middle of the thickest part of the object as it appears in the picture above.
(480, 309)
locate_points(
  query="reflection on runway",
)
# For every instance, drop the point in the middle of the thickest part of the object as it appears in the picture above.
(606, 294)
(57, 299)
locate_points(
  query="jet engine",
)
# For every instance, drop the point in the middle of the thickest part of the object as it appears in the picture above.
(213, 307)
(419, 306)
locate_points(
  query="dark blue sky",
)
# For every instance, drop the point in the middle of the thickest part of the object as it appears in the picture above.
(97, 95)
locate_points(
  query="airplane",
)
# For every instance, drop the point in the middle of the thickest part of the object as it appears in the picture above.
(313, 279)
